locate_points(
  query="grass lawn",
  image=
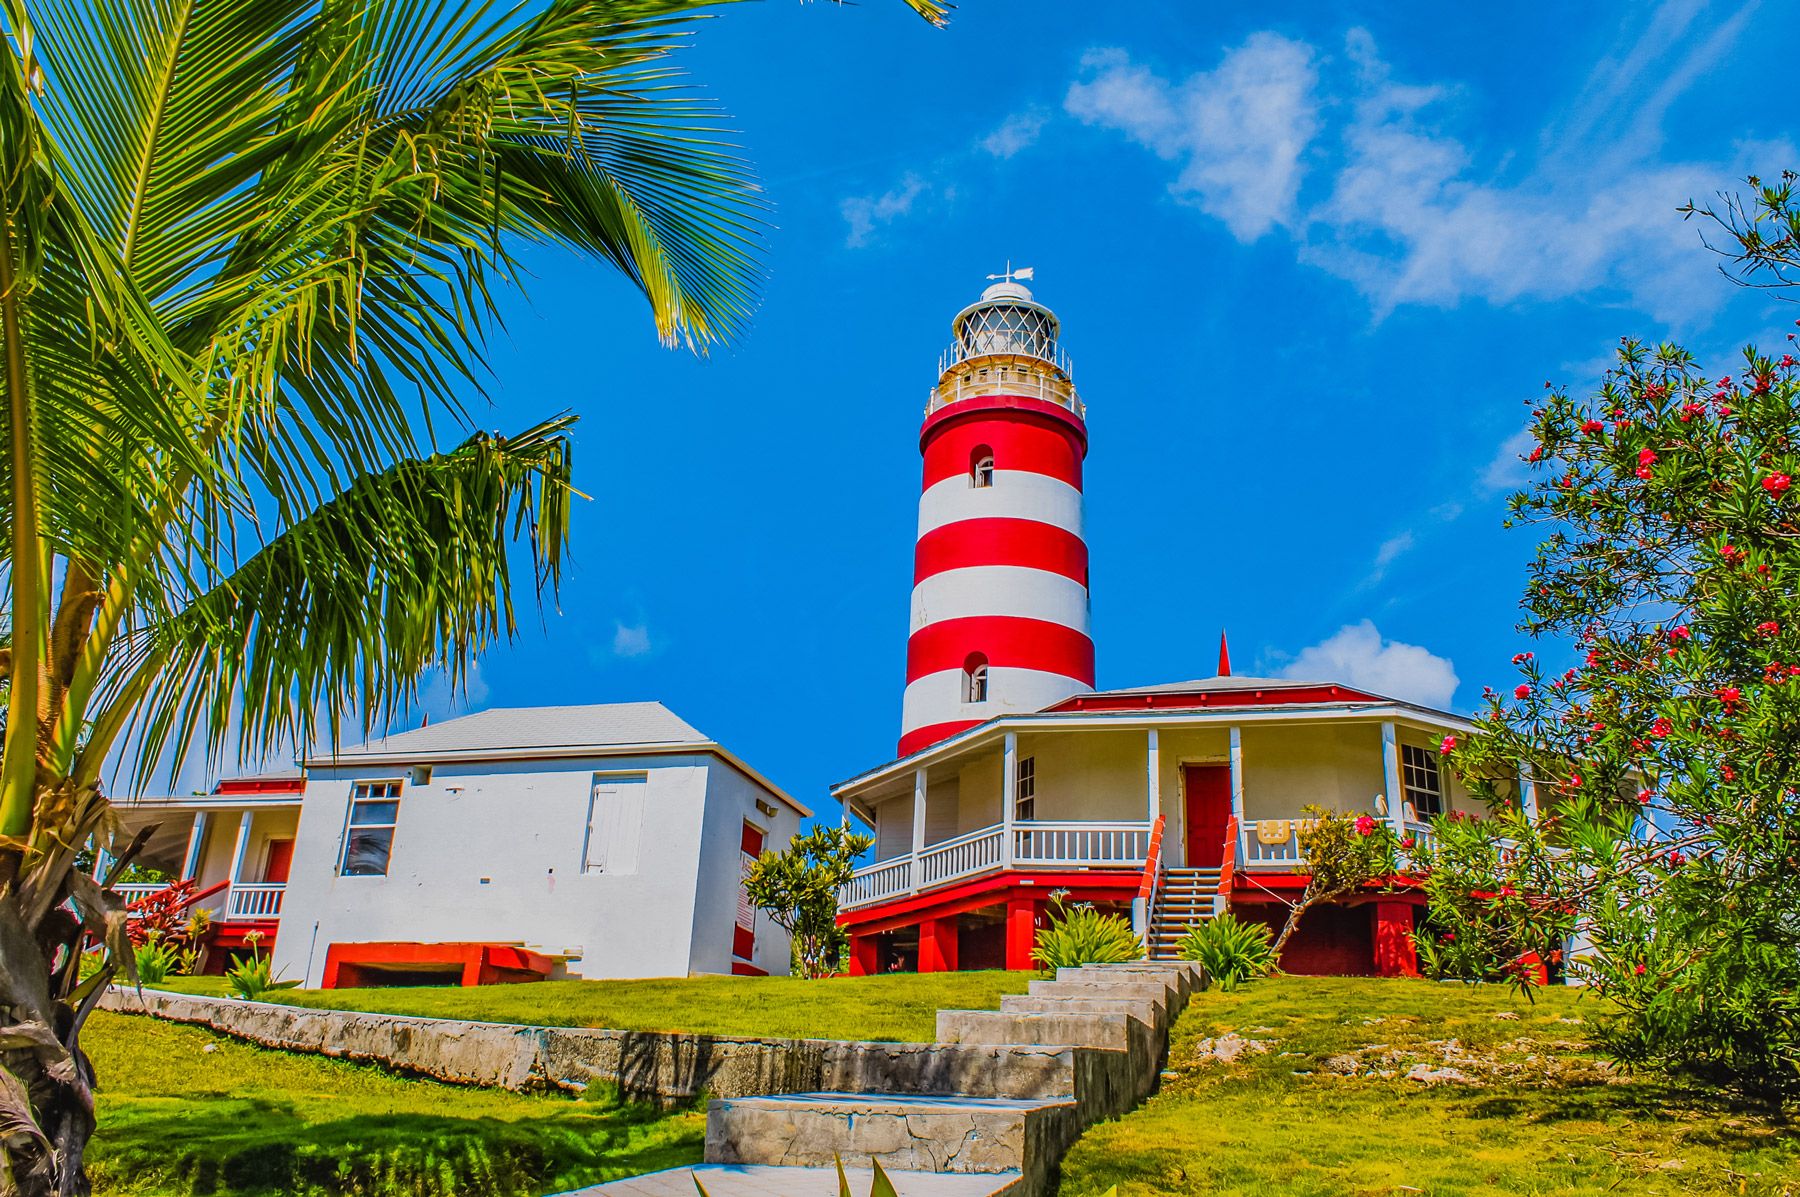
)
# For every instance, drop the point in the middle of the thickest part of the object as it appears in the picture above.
(1310, 1115)
(186, 1112)
(901, 1007)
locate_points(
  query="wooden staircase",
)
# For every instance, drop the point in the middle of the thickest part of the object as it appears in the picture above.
(1184, 898)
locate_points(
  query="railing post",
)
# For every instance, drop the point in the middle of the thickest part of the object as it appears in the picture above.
(1528, 802)
(237, 857)
(1153, 776)
(1390, 768)
(190, 864)
(1237, 773)
(1009, 797)
(913, 870)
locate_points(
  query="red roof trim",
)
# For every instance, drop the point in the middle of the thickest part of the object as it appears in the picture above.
(1191, 699)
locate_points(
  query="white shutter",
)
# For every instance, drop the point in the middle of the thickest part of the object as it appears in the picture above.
(615, 824)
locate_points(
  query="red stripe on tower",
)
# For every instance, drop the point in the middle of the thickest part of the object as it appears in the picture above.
(1000, 569)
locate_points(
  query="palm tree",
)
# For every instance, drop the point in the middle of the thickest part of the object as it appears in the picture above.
(248, 250)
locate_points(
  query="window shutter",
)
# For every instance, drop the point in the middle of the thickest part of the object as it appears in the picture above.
(615, 825)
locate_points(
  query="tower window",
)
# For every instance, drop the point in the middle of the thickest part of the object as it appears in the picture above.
(981, 466)
(975, 678)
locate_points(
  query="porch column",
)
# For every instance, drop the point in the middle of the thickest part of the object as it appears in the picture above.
(1237, 774)
(918, 828)
(190, 864)
(1021, 932)
(937, 945)
(1009, 798)
(1395, 955)
(237, 855)
(1153, 775)
(1390, 770)
(1528, 803)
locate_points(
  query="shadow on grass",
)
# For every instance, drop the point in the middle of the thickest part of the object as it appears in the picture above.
(261, 1148)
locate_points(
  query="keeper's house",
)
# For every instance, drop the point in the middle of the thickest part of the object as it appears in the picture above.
(512, 844)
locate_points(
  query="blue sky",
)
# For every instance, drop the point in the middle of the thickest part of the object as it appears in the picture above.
(1312, 264)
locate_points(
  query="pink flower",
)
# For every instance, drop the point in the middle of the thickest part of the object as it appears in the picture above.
(1676, 859)
(1679, 633)
(1644, 797)
(1507, 891)
(1729, 696)
(1777, 483)
(1592, 426)
(1770, 628)
(1448, 746)
(1409, 843)
(1365, 825)
(1640, 970)
(1522, 691)
(1660, 729)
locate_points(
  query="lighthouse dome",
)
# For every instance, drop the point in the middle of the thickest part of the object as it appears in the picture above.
(1006, 320)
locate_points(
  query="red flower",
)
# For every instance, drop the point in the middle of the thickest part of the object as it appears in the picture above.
(1537, 454)
(1730, 696)
(1640, 970)
(1592, 426)
(1644, 797)
(1727, 772)
(1507, 891)
(1522, 691)
(1365, 825)
(1770, 628)
(1676, 859)
(1777, 483)
(1409, 843)
(1448, 746)
(1679, 633)
(1660, 728)
(1647, 457)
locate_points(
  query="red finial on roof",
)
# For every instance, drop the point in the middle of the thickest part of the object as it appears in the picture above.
(1224, 657)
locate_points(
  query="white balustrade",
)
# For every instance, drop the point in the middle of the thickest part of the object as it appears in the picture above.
(1072, 843)
(137, 891)
(259, 901)
(1255, 853)
(1035, 845)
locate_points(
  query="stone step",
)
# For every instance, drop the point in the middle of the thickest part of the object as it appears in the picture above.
(941, 1069)
(1112, 1031)
(903, 1133)
(773, 1180)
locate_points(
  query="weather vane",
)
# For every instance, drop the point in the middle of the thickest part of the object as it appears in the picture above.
(1009, 275)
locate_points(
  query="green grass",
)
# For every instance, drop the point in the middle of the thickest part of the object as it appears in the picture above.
(178, 1119)
(1545, 1118)
(901, 1007)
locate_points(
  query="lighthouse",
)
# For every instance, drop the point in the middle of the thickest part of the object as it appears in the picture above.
(1000, 568)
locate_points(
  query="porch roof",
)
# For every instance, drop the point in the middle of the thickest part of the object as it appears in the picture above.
(1061, 717)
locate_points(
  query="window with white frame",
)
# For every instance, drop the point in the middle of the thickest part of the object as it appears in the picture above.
(981, 467)
(975, 678)
(615, 824)
(369, 831)
(1419, 777)
(1025, 789)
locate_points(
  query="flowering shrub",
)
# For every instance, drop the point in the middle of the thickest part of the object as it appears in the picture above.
(1079, 934)
(1669, 563)
(1343, 853)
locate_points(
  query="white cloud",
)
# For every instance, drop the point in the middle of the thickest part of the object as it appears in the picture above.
(1507, 471)
(1357, 656)
(1390, 551)
(438, 700)
(1238, 131)
(1404, 210)
(631, 640)
(867, 212)
(1017, 132)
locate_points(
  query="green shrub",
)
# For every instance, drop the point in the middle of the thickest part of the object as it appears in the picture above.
(250, 977)
(1078, 934)
(1231, 951)
(156, 960)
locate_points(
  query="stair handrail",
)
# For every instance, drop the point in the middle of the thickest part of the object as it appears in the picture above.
(1152, 863)
(1227, 865)
(173, 896)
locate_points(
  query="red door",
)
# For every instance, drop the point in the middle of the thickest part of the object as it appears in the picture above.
(1208, 791)
(281, 855)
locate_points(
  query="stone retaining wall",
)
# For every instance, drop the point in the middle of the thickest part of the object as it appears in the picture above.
(643, 1065)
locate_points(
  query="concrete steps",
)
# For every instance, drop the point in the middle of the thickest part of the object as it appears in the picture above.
(1184, 898)
(990, 1108)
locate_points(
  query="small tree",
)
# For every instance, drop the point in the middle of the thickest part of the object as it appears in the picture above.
(1343, 853)
(798, 889)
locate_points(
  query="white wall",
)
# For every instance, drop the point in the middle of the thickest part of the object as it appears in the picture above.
(731, 802)
(494, 852)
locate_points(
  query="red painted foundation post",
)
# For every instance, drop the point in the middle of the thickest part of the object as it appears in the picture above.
(864, 955)
(1021, 932)
(1395, 955)
(937, 945)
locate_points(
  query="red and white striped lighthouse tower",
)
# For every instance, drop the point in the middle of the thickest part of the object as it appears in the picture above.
(1000, 573)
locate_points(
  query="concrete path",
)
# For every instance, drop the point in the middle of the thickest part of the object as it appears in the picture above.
(1089, 1045)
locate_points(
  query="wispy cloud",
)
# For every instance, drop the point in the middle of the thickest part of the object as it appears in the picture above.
(866, 213)
(631, 639)
(1390, 551)
(1237, 132)
(1403, 209)
(1508, 471)
(1016, 133)
(1357, 655)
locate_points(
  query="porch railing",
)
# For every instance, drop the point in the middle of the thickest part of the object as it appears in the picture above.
(255, 901)
(137, 891)
(1275, 843)
(1035, 845)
